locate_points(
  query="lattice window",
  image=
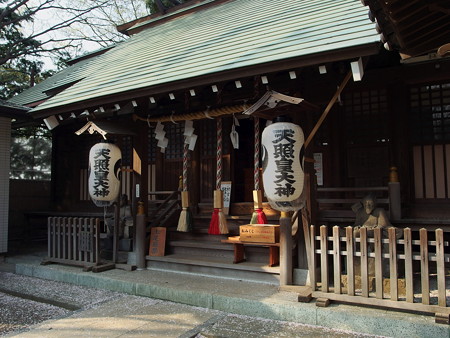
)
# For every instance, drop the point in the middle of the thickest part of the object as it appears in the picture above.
(174, 132)
(366, 114)
(127, 151)
(430, 113)
(209, 141)
(152, 148)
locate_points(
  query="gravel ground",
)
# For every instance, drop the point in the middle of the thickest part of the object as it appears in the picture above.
(18, 313)
(26, 301)
(64, 295)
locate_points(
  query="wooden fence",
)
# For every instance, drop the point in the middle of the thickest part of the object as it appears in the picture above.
(73, 241)
(380, 270)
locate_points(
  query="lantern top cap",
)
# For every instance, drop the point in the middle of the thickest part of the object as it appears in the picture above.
(282, 118)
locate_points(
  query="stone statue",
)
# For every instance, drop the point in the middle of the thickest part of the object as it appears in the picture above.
(371, 217)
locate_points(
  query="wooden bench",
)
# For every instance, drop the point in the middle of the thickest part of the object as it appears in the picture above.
(239, 253)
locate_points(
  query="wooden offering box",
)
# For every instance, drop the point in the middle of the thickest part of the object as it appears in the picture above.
(261, 233)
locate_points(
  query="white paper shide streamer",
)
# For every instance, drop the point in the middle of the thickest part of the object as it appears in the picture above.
(160, 135)
(234, 136)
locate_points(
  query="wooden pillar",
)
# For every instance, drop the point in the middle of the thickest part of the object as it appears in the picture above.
(400, 151)
(140, 237)
(116, 229)
(395, 208)
(141, 148)
(285, 249)
(140, 180)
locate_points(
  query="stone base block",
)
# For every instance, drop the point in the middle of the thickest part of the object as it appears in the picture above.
(358, 283)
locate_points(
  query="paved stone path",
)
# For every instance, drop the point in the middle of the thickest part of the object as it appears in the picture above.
(83, 311)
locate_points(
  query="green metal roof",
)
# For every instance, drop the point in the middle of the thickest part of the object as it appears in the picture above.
(222, 37)
(61, 79)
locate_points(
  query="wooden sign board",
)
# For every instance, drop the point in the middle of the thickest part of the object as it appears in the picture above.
(157, 241)
(262, 233)
(137, 162)
(226, 188)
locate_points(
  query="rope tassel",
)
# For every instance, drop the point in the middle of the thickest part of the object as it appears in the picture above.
(218, 224)
(186, 220)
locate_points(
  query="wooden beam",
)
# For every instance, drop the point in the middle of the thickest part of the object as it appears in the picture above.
(328, 108)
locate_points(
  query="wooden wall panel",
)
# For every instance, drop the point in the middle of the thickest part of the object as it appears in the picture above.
(439, 170)
(5, 148)
(171, 175)
(429, 172)
(418, 172)
(207, 178)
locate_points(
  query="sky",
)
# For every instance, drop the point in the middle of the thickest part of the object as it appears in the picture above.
(49, 17)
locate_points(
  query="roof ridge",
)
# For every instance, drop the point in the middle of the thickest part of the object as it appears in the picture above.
(137, 25)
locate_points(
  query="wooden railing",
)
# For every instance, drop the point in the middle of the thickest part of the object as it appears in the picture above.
(73, 241)
(334, 204)
(337, 254)
(126, 183)
(160, 210)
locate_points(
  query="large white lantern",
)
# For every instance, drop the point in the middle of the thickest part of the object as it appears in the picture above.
(282, 165)
(104, 170)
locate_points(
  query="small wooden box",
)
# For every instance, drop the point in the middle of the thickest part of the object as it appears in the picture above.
(262, 233)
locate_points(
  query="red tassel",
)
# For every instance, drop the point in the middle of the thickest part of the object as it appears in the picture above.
(262, 219)
(214, 224)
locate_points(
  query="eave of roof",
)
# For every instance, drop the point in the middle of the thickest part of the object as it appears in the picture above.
(414, 27)
(13, 111)
(236, 38)
(66, 77)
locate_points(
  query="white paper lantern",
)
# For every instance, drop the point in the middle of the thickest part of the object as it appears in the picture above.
(282, 162)
(104, 170)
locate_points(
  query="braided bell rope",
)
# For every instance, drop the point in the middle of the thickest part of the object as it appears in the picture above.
(256, 154)
(219, 154)
(185, 166)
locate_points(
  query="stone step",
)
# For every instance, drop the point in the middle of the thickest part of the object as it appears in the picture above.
(216, 249)
(215, 266)
(201, 245)
(200, 249)
(197, 235)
